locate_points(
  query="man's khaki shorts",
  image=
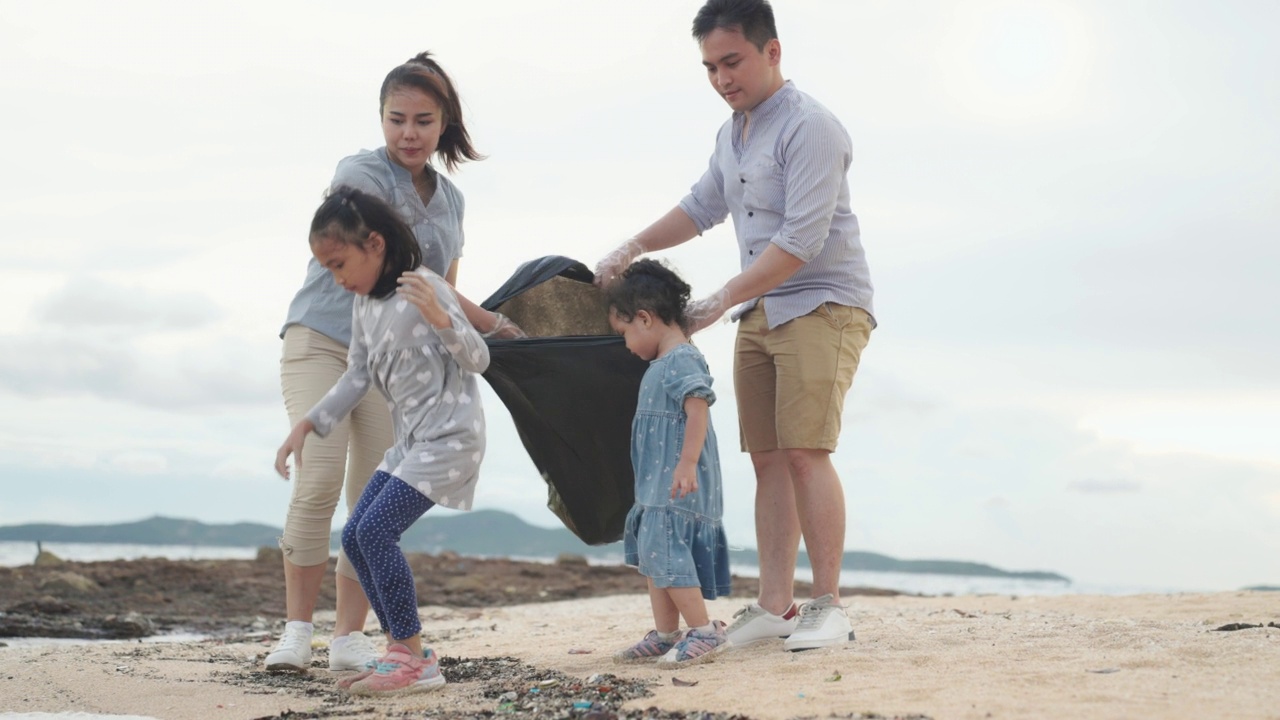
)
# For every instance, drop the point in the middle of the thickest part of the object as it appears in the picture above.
(791, 381)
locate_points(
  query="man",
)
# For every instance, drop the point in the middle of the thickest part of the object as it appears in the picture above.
(780, 170)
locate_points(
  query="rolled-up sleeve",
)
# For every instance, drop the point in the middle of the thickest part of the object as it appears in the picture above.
(705, 204)
(817, 155)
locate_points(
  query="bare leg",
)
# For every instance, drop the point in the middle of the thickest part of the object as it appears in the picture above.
(301, 588)
(692, 607)
(819, 501)
(666, 614)
(777, 529)
(413, 643)
(353, 606)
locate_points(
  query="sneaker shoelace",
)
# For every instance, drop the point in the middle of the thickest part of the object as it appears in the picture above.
(362, 646)
(745, 615)
(293, 639)
(813, 613)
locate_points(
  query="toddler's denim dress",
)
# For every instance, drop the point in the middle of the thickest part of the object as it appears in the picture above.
(675, 542)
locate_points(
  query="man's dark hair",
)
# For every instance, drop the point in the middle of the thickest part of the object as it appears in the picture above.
(753, 18)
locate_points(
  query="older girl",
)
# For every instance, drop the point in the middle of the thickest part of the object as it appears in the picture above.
(411, 341)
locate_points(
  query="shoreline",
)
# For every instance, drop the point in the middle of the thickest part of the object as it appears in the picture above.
(915, 657)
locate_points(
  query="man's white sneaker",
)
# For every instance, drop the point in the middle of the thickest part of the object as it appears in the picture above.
(352, 652)
(294, 650)
(822, 623)
(753, 623)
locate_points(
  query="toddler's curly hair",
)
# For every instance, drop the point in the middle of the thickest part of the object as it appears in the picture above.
(653, 286)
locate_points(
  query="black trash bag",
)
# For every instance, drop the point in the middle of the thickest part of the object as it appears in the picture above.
(571, 388)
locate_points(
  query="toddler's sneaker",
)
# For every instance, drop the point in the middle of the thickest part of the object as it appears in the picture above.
(697, 647)
(822, 623)
(753, 623)
(648, 649)
(352, 652)
(399, 672)
(294, 649)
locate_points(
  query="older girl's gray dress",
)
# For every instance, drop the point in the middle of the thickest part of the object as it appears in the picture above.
(428, 375)
(675, 542)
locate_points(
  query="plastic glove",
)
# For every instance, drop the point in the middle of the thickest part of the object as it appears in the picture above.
(703, 313)
(504, 329)
(608, 269)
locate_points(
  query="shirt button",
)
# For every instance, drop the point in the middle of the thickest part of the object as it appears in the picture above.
(744, 180)
(751, 214)
(751, 252)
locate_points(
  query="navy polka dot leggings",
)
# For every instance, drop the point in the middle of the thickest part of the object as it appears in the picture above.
(371, 537)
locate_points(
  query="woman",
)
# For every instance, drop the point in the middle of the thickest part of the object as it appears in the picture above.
(421, 117)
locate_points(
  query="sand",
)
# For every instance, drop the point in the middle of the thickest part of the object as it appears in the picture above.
(1075, 656)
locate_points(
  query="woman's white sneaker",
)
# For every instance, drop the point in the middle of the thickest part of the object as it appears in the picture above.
(753, 623)
(822, 623)
(293, 652)
(352, 652)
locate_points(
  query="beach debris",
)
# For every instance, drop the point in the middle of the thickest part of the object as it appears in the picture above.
(62, 582)
(834, 676)
(44, 558)
(682, 683)
(1232, 627)
(962, 613)
(1104, 671)
(579, 651)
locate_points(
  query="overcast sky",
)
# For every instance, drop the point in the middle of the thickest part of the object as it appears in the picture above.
(1071, 212)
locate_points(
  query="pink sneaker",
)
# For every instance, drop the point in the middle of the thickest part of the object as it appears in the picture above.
(400, 673)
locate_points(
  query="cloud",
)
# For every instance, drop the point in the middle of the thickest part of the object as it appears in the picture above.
(140, 463)
(215, 371)
(95, 303)
(1092, 486)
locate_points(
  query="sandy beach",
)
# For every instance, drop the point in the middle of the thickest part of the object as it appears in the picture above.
(1145, 656)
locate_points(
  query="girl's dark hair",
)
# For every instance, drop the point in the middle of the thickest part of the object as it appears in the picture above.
(348, 216)
(422, 72)
(753, 18)
(650, 285)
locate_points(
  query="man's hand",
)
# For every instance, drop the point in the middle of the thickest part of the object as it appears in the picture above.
(703, 313)
(608, 269)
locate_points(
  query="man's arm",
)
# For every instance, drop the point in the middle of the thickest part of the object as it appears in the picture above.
(771, 270)
(817, 155)
(672, 229)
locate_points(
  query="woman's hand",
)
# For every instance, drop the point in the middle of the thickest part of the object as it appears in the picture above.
(416, 289)
(503, 329)
(685, 478)
(293, 446)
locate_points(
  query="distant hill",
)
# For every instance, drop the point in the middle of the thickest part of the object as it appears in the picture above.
(152, 531)
(481, 532)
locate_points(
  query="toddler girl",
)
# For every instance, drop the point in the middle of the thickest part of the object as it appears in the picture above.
(673, 533)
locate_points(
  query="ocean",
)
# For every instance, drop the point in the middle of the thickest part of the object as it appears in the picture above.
(13, 554)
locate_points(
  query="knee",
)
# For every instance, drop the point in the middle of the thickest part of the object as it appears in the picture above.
(805, 464)
(769, 466)
(350, 541)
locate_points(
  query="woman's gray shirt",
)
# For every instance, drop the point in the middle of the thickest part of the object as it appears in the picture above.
(326, 308)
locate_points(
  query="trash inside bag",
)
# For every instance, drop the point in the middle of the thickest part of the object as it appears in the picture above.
(571, 388)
